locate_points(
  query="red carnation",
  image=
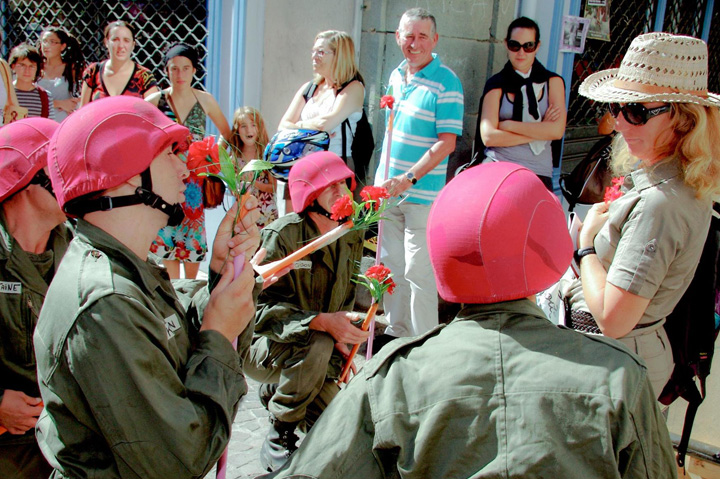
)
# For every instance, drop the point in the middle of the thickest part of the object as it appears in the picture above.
(613, 192)
(387, 101)
(381, 274)
(203, 156)
(374, 193)
(342, 208)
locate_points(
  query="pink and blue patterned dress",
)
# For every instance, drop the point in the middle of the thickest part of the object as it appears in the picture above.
(186, 242)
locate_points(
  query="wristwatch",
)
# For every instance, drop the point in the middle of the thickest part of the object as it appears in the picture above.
(411, 177)
(582, 252)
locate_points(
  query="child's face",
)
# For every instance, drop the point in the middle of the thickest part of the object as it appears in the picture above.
(248, 131)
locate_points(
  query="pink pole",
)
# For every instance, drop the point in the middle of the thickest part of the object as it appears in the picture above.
(381, 223)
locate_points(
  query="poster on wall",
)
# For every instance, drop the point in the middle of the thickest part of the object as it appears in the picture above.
(598, 12)
(575, 31)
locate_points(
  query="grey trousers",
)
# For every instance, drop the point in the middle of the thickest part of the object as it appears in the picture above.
(300, 370)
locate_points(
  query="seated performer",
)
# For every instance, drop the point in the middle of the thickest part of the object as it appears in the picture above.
(304, 321)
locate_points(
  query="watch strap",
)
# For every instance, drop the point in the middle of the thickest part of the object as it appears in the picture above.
(582, 252)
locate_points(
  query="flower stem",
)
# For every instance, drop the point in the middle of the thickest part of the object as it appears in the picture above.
(369, 316)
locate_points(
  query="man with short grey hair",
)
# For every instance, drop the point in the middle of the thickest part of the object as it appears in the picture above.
(428, 119)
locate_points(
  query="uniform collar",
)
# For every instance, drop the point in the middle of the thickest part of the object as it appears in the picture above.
(150, 274)
(522, 306)
(647, 177)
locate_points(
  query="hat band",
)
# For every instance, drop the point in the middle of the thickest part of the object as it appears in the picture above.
(655, 89)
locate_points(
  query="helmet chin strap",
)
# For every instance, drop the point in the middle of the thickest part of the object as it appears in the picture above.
(316, 208)
(143, 195)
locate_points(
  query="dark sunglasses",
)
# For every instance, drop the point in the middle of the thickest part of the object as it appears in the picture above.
(515, 46)
(636, 113)
(42, 179)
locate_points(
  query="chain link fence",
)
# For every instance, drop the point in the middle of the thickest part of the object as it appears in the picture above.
(158, 23)
(628, 19)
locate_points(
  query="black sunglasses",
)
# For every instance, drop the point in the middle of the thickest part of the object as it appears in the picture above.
(42, 179)
(636, 113)
(515, 46)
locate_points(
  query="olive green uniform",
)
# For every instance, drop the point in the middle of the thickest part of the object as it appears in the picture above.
(22, 292)
(499, 392)
(303, 362)
(131, 387)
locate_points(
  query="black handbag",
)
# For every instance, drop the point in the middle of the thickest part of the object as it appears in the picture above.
(587, 182)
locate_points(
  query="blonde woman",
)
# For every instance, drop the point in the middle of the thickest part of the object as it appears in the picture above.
(638, 254)
(248, 140)
(335, 94)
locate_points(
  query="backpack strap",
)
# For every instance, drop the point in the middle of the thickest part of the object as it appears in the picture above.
(45, 101)
(310, 90)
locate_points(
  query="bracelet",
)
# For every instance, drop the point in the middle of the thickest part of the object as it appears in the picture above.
(582, 252)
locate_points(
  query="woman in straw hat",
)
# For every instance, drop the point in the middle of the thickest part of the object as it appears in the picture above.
(638, 253)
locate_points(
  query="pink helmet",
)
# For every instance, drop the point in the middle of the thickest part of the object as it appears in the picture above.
(495, 233)
(106, 143)
(312, 174)
(23, 152)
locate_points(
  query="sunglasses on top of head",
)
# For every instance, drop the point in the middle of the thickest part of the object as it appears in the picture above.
(515, 46)
(636, 113)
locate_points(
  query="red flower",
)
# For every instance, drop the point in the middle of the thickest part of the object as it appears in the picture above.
(381, 274)
(374, 193)
(203, 157)
(613, 192)
(387, 101)
(181, 253)
(342, 208)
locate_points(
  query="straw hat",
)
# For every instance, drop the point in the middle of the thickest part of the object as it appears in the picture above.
(657, 67)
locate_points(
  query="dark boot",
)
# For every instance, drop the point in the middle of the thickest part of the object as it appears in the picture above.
(266, 392)
(280, 442)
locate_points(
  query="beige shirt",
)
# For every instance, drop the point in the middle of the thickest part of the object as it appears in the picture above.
(651, 244)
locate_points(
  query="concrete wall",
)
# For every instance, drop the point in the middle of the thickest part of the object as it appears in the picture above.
(289, 33)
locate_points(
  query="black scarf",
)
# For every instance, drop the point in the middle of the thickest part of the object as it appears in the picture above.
(509, 81)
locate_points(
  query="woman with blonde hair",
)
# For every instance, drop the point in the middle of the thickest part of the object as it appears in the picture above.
(335, 94)
(638, 252)
(247, 141)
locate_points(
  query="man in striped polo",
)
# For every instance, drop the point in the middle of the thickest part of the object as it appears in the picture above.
(428, 119)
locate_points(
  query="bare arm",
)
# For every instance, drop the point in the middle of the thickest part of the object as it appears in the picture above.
(211, 107)
(432, 157)
(85, 94)
(615, 310)
(154, 98)
(292, 114)
(490, 131)
(151, 91)
(552, 127)
(348, 101)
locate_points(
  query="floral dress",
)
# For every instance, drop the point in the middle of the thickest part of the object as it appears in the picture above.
(268, 208)
(187, 241)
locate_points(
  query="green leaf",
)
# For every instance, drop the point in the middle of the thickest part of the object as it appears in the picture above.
(256, 165)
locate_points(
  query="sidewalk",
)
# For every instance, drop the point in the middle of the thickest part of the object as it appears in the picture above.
(249, 430)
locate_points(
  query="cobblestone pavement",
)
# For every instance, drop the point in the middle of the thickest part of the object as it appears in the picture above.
(248, 433)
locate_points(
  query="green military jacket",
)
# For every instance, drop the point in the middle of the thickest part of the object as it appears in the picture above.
(131, 387)
(22, 292)
(498, 393)
(320, 283)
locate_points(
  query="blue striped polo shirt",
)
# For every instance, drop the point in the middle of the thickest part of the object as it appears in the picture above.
(432, 103)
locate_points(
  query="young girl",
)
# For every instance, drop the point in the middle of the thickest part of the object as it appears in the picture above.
(247, 142)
